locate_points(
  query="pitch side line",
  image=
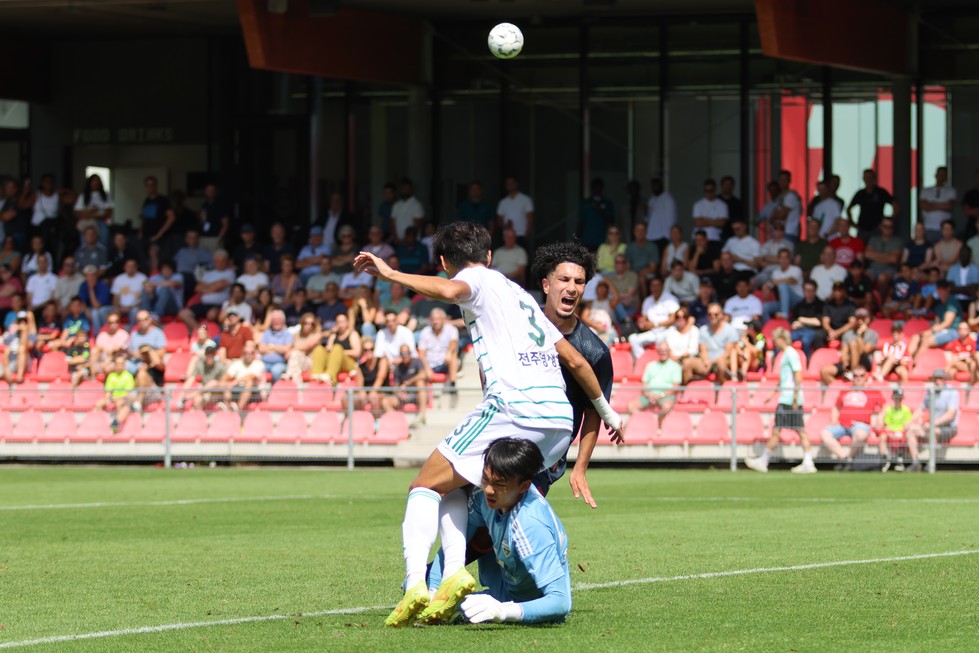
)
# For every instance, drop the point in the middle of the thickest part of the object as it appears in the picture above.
(189, 502)
(552, 499)
(56, 639)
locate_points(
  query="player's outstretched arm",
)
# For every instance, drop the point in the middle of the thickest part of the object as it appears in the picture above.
(438, 288)
(583, 373)
(586, 445)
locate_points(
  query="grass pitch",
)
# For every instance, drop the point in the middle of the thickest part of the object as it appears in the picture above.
(100, 552)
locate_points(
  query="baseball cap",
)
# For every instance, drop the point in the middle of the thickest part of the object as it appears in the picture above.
(939, 374)
(316, 231)
(210, 349)
(706, 281)
(898, 393)
(230, 313)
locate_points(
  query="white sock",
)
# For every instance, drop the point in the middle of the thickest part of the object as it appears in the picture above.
(765, 455)
(807, 457)
(418, 532)
(453, 519)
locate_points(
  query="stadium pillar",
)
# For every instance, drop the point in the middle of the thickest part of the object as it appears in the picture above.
(583, 110)
(744, 115)
(664, 84)
(827, 124)
(901, 182)
(314, 108)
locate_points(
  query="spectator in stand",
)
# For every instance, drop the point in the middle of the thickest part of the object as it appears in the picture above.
(884, 251)
(962, 353)
(472, 209)
(29, 266)
(788, 412)
(871, 200)
(121, 251)
(286, 282)
(214, 217)
(749, 354)
(936, 204)
(392, 336)
(198, 345)
(333, 219)
(848, 249)
(346, 250)
(735, 207)
(363, 311)
(894, 356)
(634, 208)
(244, 377)
(764, 216)
(787, 279)
(625, 284)
(859, 288)
(304, 343)
(44, 218)
(378, 247)
(725, 277)
(677, 249)
(163, 293)
(214, 289)
(855, 414)
(660, 381)
(156, 219)
(702, 257)
(17, 304)
(516, 210)
(970, 209)
(839, 319)
(108, 342)
(929, 292)
(210, 371)
(972, 242)
(964, 276)
(768, 257)
(339, 352)
(743, 307)
(75, 320)
(399, 303)
(192, 256)
(661, 220)
(236, 334)
(9, 256)
(948, 313)
(276, 345)
(389, 195)
(15, 213)
(276, 249)
(48, 329)
(682, 284)
(683, 338)
(943, 405)
(705, 297)
(510, 258)
(147, 347)
(826, 210)
(896, 419)
(973, 311)
(596, 217)
(827, 274)
(69, 281)
(809, 251)
(10, 286)
(658, 311)
(918, 252)
(710, 214)
(947, 247)
(120, 396)
(41, 285)
(642, 254)
(78, 353)
(253, 279)
(127, 290)
(236, 302)
(19, 342)
(789, 209)
(905, 294)
(744, 249)
(609, 250)
(331, 307)
(93, 209)
(438, 347)
(247, 247)
(351, 281)
(316, 286)
(856, 348)
(407, 372)
(412, 255)
(406, 212)
(91, 251)
(717, 338)
(297, 308)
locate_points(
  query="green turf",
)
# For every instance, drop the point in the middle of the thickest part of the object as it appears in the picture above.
(336, 544)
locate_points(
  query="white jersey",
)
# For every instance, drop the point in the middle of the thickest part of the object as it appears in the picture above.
(514, 345)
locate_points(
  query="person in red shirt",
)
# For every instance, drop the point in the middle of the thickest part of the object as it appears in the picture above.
(895, 355)
(848, 249)
(236, 334)
(855, 414)
(964, 357)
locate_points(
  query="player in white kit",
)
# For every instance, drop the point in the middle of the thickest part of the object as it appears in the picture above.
(520, 354)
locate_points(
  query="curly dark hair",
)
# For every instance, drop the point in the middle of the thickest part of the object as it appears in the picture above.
(548, 257)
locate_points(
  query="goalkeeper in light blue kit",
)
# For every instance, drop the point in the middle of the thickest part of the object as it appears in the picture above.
(529, 582)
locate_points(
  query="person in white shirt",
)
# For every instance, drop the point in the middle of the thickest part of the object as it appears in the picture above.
(681, 283)
(516, 210)
(658, 312)
(69, 282)
(683, 337)
(936, 204)
(46, 203)
(214, 289)
(41, 285)
(388, 342)
(743, 306)
(94, 208)
(710, 213)
(244, 376)
(827, 210)
(406, 212)
(236, 303)
(676, 250)
(253, 279)
(787, 279)
(789, 210)
(660, 215)
(769, 254)
(743, 248)
(511, 258)
(438, 347)
(827, 273)
(127, 290)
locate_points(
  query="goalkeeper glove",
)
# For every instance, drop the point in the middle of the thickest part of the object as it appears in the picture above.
(481, 608)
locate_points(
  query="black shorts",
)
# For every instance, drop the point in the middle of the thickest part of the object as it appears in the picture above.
(200, 311)
(787, 417)
(157, 375)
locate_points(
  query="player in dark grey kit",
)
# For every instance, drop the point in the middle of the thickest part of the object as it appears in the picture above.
(563, 269)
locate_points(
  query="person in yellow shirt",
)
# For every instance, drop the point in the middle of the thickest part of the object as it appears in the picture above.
(119, 386)
(897, 416)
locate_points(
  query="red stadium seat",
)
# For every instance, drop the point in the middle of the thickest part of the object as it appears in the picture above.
(363, 426)
(6, 425)
(213, 330)
(28, 427)
(291, 428)
(773, 370)
(25, 396)
(882, 326)
(724, 396)
(624, 393)
(622, 364)
(155, 428)
(927, 362)
(816, 422)
(647, 357)
(224, 426)
(696, 396)
(640, 429)
(324, 428)
(971, 404)
(833, 392)
(258, 426)
(97, 426)
(769, 328)
(968, 431)
(86, 395)
(177, 337)
(915, 326)
(53, 366)
(713, 428)
(61, 427)
(316, 396)
(131, 430)
(392, 428)
(764, 400)
(283, 396)
(749, 428)
(176, 366)
(57, 396)
(4, 395)
(820, 359)
(190, 427)
(675, 429)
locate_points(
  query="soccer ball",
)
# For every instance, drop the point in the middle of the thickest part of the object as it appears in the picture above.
(505, 41)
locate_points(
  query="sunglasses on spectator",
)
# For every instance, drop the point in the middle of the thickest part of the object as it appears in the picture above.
(714, 314)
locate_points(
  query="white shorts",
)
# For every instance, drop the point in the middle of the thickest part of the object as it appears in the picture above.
(465, 447)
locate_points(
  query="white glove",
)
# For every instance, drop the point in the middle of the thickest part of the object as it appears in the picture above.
(480, 608)
(609, 416)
